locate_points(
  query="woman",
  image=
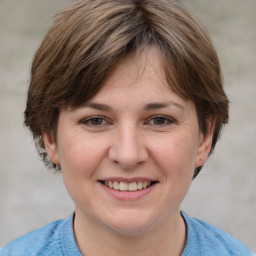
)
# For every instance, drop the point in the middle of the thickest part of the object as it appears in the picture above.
(126, 100)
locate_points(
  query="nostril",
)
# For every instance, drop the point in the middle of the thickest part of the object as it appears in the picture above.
(127, 150)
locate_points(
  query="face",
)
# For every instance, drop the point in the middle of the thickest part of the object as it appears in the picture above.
(129, 154)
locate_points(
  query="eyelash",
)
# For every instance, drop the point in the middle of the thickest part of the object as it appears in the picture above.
(89, 121)
(102, 121)
(167, 120)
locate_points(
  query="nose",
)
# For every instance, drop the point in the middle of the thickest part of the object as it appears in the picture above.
(127, 148)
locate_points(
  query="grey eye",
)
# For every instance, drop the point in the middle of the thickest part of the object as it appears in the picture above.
(95, 121)
(160, 120)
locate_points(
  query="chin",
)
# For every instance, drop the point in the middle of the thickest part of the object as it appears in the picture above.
(133, 226)
(130, 231)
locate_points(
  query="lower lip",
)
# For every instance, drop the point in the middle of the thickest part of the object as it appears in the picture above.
(127, 195)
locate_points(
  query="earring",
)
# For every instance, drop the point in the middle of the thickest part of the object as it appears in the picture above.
(57, 167)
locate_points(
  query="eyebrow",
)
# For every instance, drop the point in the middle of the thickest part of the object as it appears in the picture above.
(157, 105)
(98, 106)
(149, 106)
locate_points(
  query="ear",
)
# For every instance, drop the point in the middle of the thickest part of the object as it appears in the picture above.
(205, 143)
(51, 148)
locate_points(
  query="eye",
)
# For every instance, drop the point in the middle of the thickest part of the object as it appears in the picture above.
(160, 121)
(95, 121)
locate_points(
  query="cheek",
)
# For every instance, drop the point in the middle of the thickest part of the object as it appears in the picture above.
(79, 164)
(80, 155)
(176, 159)
(178, 153)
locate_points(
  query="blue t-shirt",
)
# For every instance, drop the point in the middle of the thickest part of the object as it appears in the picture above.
(57, 239)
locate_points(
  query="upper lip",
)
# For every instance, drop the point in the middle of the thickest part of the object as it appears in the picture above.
(128, 180)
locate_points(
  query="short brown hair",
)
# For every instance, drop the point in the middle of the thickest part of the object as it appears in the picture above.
(89, 38)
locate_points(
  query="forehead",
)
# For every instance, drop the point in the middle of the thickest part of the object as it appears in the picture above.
(138, 81)
(145, 68)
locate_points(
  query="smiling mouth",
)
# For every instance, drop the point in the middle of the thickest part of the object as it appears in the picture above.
(128, 186)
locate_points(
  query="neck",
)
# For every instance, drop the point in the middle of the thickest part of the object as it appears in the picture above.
(167, 239)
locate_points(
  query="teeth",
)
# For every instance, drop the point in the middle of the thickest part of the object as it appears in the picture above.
(110, 184)
(124, 186)
(132, 186)
(139, 185)
(144, 184)
(115, 185)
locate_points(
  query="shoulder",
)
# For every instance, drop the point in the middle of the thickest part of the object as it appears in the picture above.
(47, 240)
(206, 239)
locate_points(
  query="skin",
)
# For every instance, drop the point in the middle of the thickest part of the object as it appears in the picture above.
(122, 133)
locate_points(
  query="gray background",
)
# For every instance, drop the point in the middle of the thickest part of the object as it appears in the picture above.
(223, 194)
